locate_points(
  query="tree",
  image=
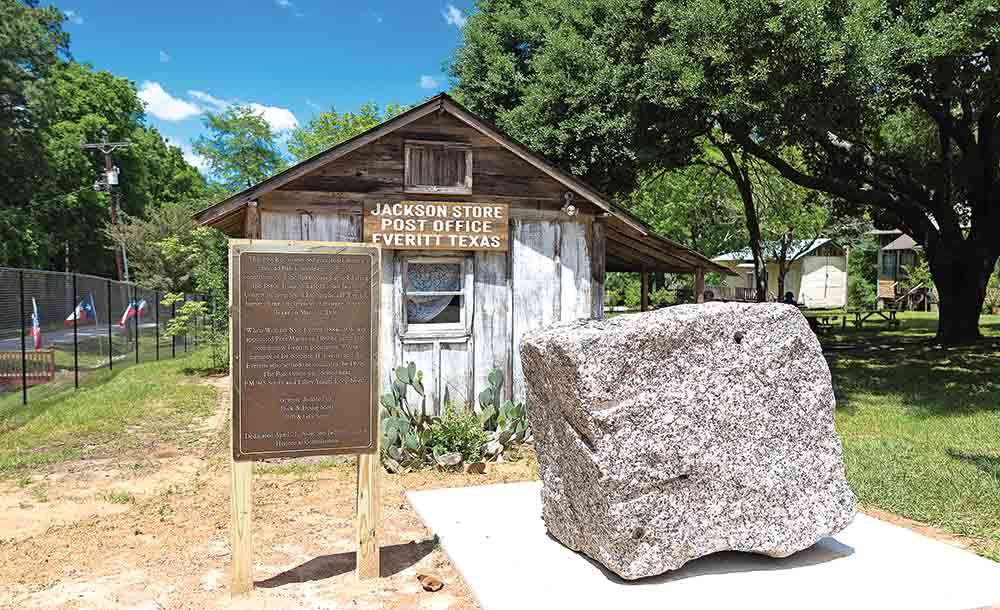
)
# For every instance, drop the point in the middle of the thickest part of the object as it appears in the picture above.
(241, 148)
(696, 206)
(331, 128)
(792, 219)
(892, 104)
(32, 44)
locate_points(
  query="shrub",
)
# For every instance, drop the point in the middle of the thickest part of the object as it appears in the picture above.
(457, 432)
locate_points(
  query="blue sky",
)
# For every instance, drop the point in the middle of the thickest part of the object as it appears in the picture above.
(288, 58)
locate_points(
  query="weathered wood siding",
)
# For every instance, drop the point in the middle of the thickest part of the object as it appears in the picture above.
(491, 324)
(376, 170)
(553, 272)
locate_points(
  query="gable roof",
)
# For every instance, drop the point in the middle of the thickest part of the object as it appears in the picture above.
(648, 247)
(801, 247)
(903, 242)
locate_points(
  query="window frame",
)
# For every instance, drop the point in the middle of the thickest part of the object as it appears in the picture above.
(421, 330)
(465, 189)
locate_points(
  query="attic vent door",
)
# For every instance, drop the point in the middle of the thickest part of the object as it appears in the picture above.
(438, 167)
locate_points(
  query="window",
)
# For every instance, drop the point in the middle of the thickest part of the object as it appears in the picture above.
(907, 259)
(435, 296)
(889, 262)
(437, 167)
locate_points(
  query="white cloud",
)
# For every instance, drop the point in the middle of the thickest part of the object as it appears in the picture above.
(164, 106)
(211, 100)
(280, 119)
(197, 161)
(454, 16)
(428, 82)
(164, 57)
(73, 17)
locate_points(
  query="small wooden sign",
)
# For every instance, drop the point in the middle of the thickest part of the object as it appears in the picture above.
(436, 225)
(304, 363)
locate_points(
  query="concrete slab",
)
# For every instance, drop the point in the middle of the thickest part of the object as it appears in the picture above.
(495, 537)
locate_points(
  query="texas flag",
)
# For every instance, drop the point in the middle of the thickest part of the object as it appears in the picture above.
(132, 310)
(36, 325)
(84, 312)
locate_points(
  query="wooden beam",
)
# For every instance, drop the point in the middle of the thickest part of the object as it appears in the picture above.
(251, 221)
(665, 257)
(369, 515)
(643, 290)
(699, 284)
(598, 265)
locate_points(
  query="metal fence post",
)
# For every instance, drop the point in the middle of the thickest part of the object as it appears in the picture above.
(24, 353)
(76, 344)
(111, 359)
(156, 298)
(173, 338)
(138, 314)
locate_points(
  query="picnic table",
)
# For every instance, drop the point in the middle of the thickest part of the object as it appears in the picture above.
(857, 317)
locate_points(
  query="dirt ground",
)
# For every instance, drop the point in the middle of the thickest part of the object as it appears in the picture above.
(151, 532)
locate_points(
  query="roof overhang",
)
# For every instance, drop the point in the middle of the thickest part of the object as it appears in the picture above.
(632, 245)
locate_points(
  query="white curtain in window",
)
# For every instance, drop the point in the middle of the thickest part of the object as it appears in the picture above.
(430, 277)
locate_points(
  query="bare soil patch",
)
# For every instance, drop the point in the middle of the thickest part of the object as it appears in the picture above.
(168, 547)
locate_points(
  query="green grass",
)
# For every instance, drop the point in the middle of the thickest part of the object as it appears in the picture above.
(115, 411)
(117, 497)
(298, 466)
(920, 424)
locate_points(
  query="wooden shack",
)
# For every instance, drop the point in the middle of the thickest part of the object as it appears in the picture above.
(483, 240)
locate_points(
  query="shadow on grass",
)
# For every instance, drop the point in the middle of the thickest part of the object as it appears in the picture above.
(990, 464)
(393, 559)
(930, 379)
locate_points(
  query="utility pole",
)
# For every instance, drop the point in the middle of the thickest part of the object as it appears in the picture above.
(107, 185)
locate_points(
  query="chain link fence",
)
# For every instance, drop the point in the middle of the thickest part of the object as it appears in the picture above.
(46, 348)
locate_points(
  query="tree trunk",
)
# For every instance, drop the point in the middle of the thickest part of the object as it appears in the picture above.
(961, 272)
(741, 177)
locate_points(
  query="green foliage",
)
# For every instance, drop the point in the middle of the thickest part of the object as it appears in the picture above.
(405, 427)
(457, 432)
(918, 274)
(49, 106)
(505, 423)
(241, 149)
(413, 440)
(887, 106)
(697, 206)
(196, 316)
(331, 128)
(862, 272)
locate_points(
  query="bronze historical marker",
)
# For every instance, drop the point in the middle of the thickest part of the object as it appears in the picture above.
(305, 345)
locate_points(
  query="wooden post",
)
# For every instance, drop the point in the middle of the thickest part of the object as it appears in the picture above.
(643, 290)
(241, 473)
(251, 229)
(369, 515)
(699, 284)
(242, 544)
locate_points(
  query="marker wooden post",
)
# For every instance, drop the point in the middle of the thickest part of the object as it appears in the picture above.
(240, 473)
(369, 514)
(304, 374)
